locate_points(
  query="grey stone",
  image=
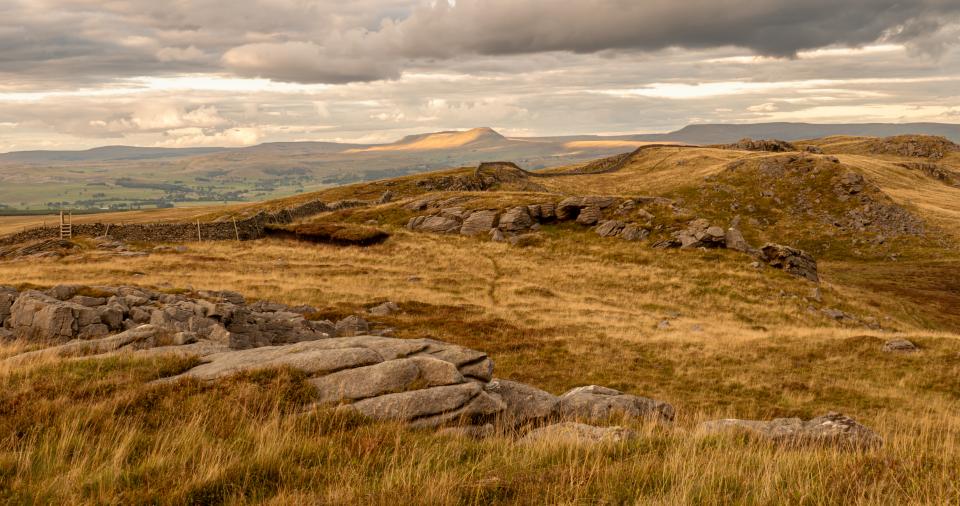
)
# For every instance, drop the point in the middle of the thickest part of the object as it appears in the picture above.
(516, 219)
(437, 225)
(352, 326)
(496, 235)
(385, 309)
(388, 377)
(523, 404)
(831, 429)
(597, 404)
(900, 345)
(794, 261)
(589, 216)
(431, 407)
(480, 222)
(7, 297)
(93, 331)
(36, 316)
(83, 300)
(633, 232)
(610, 228)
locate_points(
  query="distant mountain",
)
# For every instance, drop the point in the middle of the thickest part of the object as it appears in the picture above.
(104, 154)
(475, 138)
(480, 139)
(726, 133)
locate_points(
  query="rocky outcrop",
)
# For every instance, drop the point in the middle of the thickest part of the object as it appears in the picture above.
(700, 234)
(64, 313)
(598, 404)
(36, 316)
(772, 145)
(794, 261)
(914, 146)
(900, 346)
(831, 429)
(422, 382)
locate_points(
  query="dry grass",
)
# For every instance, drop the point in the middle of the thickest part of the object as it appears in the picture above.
(575, 310)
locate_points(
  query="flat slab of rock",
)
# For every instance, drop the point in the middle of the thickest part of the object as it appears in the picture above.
(598, 404)
(832, 429)
(900, 346)
(572, 433)
(465, 403)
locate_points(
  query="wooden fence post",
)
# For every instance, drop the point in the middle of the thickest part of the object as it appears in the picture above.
(199, 239)
(235, 229)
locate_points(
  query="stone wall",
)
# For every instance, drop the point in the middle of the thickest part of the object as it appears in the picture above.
(225, 229)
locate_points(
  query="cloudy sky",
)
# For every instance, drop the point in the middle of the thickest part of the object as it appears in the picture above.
(84, 73)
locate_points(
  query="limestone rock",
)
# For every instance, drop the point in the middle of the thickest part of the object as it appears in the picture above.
(572, 433)
(385, 309)
(794, 261)
(7, 297)
(523, 404)
(516, 219)
(479, 222)
(431, 407)
(734, 240)
(633, 232)
(36, 316)
(434, 224)
(900, 346)
(610, 228)
(589, 216)
(700, 234)
(597, 404)
(352, 326)
(388, 377)
(831, 429)
(386, 197)
(496, 235)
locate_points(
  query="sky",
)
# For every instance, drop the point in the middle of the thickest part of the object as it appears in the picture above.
(76, 74)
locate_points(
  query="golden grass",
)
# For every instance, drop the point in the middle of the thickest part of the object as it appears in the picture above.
(575, 310)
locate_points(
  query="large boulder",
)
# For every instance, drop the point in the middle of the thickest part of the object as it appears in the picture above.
(516, 219)
(36, 316)
(589, 216)
(595, 403)
(480, 222)
(8, 295)
(792, 260)
(831, 429)
(421, 382)
(523, 404)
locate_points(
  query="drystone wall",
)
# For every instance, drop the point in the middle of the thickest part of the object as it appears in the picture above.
(225, 229)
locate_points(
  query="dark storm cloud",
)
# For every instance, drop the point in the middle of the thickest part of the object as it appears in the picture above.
(336, 42)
